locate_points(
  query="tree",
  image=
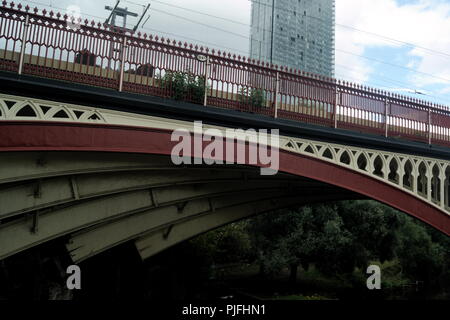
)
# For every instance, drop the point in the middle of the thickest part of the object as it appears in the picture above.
(374, 228)
(290, 238)
(421, 258)
(335, 237)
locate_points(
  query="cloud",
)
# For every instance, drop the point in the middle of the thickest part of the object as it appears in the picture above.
(425, 23)
(422, 22)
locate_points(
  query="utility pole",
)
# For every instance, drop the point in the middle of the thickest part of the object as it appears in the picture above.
(118, 12)
(140, 19)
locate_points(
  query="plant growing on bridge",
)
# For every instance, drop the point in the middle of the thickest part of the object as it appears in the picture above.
(252, 96)
(184, 86)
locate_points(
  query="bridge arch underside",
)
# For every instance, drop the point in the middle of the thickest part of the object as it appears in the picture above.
(101, 186)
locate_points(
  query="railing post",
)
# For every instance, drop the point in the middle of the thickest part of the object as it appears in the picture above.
(337, 101)
(386, 117)
(205, 97)
(24, 43)
(122, 62)
(277, 91)
(429, 126)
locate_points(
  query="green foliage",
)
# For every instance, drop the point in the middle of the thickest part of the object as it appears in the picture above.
(252, 96)
(308, 235)
(421, 258)
(184, 86)
(228, 244)
(392, 274)
(374, 228)
(339, 240)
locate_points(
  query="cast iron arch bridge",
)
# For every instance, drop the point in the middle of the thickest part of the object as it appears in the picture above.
(85, 149)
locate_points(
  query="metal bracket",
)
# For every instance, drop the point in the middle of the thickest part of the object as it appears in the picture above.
(167, 232)
(75, 191)
(153, 197)
(181, 206)
(211, 205)
(35, 226)
(40, 162)
(37, 192)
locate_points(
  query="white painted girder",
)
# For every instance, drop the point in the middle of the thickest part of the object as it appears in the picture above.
(43, 193)
(317, 149)
(91, 242)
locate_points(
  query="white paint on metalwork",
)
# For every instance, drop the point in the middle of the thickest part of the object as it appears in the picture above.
(21, 108)
(422, 177)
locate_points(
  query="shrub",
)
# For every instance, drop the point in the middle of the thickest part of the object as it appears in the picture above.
(252, 96)
(184, 85)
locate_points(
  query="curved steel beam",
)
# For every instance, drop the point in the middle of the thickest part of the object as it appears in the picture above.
(159, 240)
(91, 242)
(17, 235)
(162, 221)
(40, 194)
(298, 157)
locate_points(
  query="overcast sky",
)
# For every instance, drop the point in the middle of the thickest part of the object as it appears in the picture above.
(375, 60)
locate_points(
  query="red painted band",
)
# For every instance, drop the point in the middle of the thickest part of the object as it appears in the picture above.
(51, 136)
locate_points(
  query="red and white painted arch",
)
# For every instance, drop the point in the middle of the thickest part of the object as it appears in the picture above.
(415, 185)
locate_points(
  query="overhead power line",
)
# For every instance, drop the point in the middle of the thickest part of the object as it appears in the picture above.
(340, 50)
(359, 30)
(389, 39)
(246, 52)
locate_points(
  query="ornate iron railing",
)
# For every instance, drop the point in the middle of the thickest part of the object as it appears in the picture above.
(52, 45)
